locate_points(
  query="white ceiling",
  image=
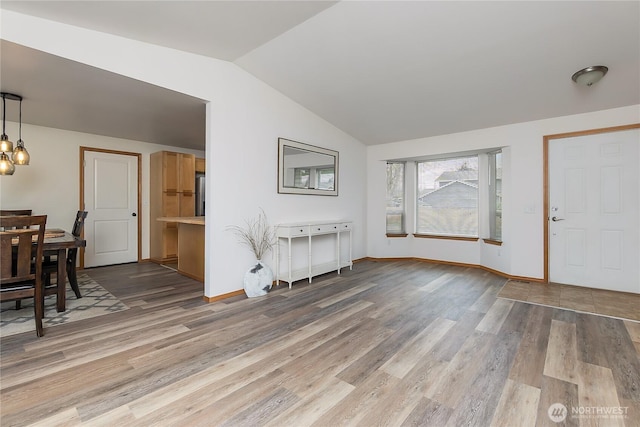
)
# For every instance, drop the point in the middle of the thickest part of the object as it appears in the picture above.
(380, 71)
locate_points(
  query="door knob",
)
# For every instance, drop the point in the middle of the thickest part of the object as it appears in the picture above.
(134, 214)
(556, 219)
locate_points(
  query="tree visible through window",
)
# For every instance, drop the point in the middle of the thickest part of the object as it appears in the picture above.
(395, 198)
(447, 201)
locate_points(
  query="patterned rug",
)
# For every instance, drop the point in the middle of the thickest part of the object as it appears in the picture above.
(95, 301)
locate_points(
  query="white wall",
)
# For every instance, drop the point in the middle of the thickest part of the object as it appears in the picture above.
(245, 117)
(51, 183)
(522, 251)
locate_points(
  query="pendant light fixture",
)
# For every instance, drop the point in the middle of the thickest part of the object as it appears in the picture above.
(6, 146)
(6, 165)
(20, 154)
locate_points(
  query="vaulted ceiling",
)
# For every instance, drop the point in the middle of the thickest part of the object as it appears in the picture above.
(382, 71)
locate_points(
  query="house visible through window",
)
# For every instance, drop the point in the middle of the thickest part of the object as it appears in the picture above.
(447, 200)
(395, 198)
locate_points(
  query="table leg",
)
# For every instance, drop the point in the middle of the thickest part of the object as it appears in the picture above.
(62, 280)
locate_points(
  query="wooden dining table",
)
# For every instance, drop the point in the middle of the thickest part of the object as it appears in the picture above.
(58, 240)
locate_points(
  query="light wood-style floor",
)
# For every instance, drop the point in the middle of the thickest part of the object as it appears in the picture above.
(387, 344)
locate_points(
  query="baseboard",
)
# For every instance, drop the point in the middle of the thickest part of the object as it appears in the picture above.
(427, 260)
(459, 264)
(223, 296)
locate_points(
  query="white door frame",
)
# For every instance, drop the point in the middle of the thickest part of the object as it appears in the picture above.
(83, 150)
(546, 213)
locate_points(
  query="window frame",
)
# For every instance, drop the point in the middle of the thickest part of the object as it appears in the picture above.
(451, 236)
(403, 206)
(495, 229)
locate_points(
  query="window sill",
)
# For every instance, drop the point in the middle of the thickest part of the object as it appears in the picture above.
(492, 242)
(397, 235)
(435, 236)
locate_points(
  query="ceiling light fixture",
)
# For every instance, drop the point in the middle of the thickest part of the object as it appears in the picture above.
(20, 154)
(590, 75)
(6, 146)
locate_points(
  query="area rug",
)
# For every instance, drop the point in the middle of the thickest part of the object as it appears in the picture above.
(95, 301)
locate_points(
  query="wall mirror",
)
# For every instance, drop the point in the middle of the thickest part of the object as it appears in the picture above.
(306, 169)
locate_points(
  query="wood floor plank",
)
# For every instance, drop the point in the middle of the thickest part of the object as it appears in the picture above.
(436, 283)
(66, 418)
(554, 391)
(407, 357)
(617, 353)
(495, 317)
(596, 389)
(479, 401)
(264, 409)
(407, 395)
(428, 413)
(312, 407)
(356, 405)
(562, 354)
(518, 406)
(459, 334)
(371, 361)
(528, 366)
(220, 411)
(486, 300)
(460, 372)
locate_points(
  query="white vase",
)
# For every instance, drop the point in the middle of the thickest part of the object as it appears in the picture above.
(258, 280)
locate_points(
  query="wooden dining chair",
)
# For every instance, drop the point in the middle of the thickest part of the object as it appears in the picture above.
(51, 261)
(21, 252)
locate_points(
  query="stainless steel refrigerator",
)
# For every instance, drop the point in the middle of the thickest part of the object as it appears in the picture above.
(200, 191)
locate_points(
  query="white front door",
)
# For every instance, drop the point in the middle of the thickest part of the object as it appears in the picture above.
(594, 214)
(111, 200)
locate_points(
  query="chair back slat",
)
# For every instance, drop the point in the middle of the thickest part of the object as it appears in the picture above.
(14, 212)
(5, 254)
(79, 223)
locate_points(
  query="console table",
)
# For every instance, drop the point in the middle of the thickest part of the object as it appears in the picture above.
(307, 230)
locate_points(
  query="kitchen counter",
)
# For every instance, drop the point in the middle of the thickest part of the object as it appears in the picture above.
(190, 245)
(195, 220)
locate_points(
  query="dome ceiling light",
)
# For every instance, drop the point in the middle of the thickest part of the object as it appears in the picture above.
(590, 75)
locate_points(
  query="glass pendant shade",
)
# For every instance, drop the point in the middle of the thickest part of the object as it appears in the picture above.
(6, 146)
(20, 154)
(6, 165)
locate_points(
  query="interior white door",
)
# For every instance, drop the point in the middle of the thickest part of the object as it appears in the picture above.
(594, 213)
(111, 199)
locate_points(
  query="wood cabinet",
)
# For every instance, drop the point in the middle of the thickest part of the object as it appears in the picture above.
(172, 194)
(201, 165)
(190, 245)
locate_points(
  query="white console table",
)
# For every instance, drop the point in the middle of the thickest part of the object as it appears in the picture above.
(307, 230)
